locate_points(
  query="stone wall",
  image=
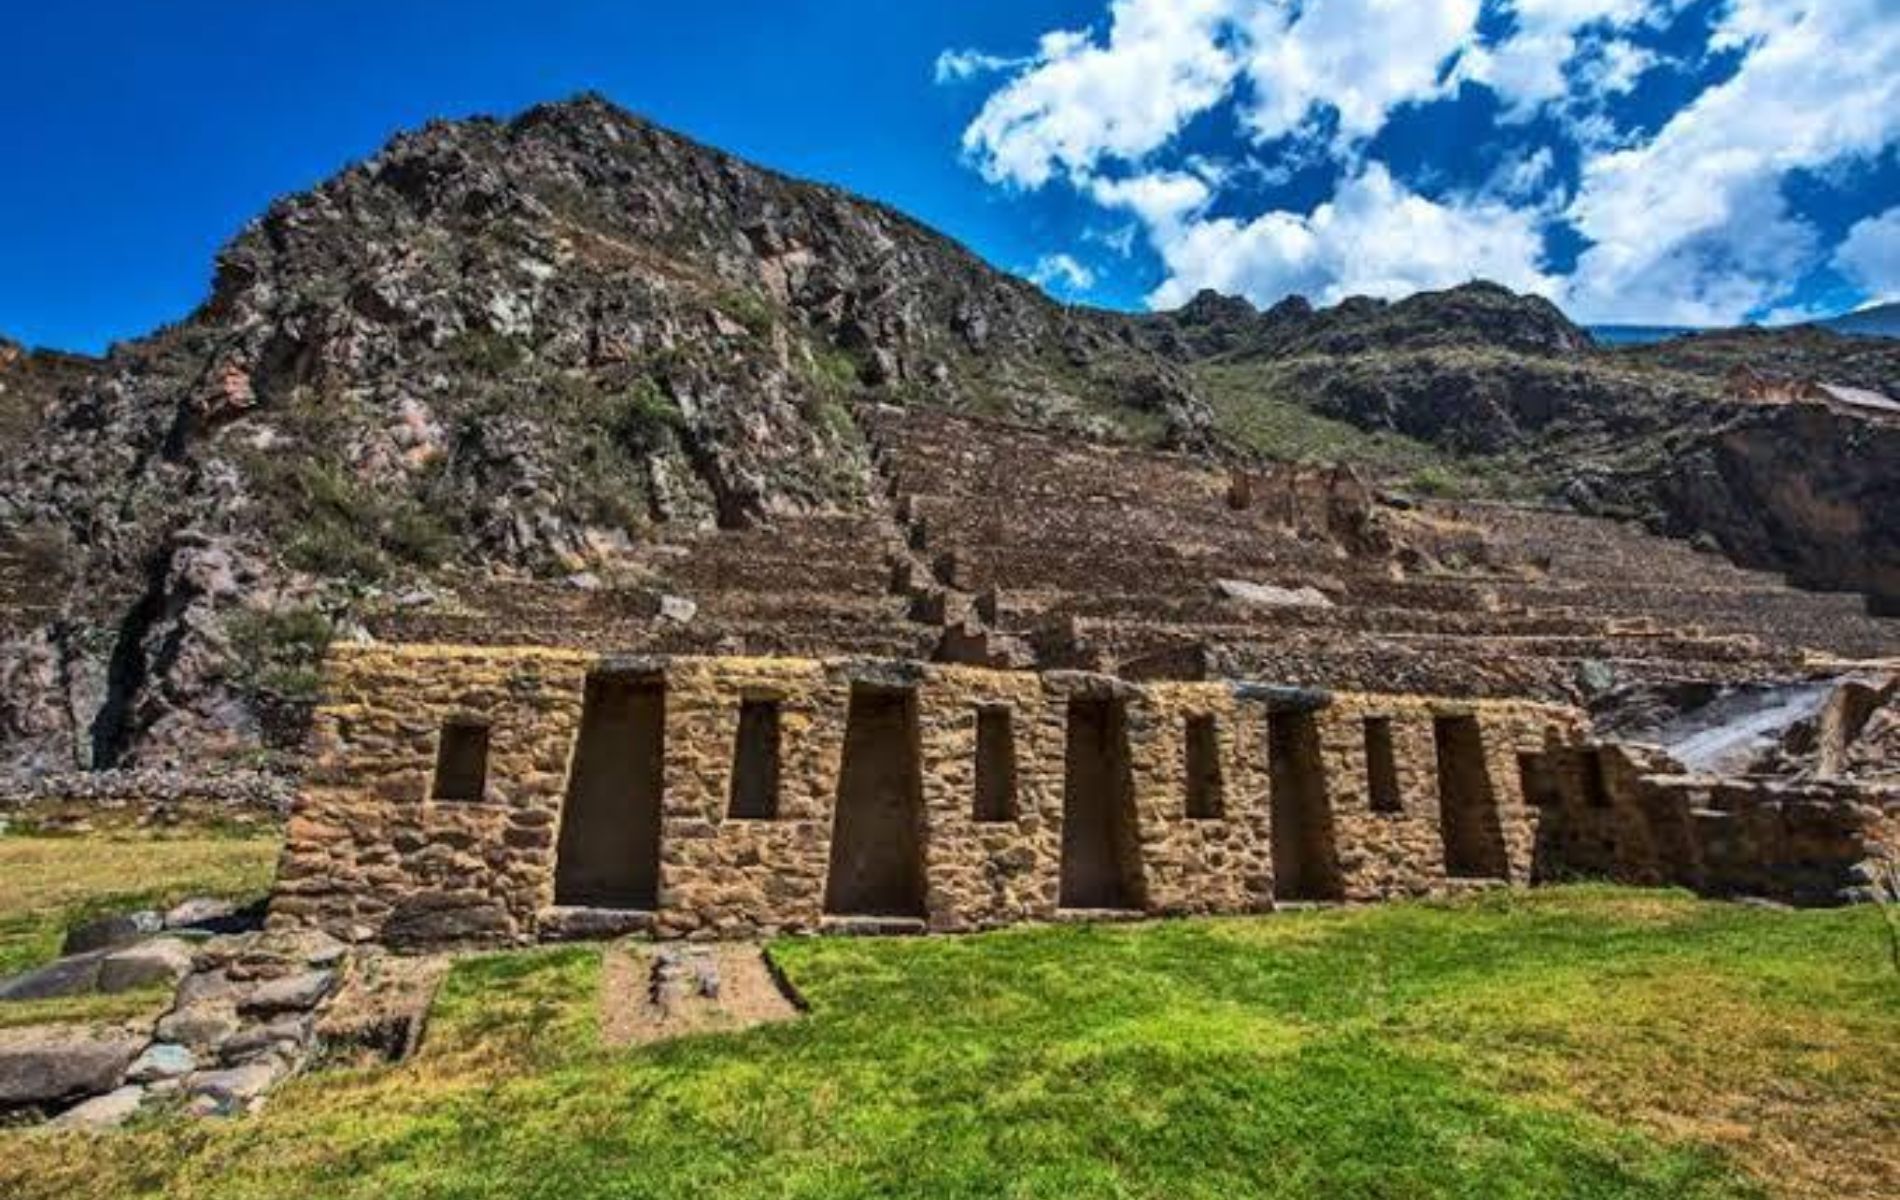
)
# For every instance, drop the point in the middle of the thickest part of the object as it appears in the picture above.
(1622, 813)
(372, 855)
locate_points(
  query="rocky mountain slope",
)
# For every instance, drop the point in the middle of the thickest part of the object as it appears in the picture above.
(1721, 437)
(512, 346)
(516, 349)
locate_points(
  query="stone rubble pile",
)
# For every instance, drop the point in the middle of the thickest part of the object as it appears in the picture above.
(242, 1018)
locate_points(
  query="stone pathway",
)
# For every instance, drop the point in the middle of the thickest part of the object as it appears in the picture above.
(650, 993)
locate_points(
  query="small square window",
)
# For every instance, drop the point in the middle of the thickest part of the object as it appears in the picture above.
(461, 762)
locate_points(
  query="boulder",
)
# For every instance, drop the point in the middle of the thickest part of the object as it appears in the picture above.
(203, 913)
(231, 1090)
(48, 1064)
(107, 932)
(74, 976)
(206, 1024)
(1267, 595)
(162, 1060)
(288, 1035)
(159, 961)
(109, 1111)
(292, 993)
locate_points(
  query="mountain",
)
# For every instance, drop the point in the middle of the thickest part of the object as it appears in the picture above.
(518, 350)
(1882, 320)
(1638, 335)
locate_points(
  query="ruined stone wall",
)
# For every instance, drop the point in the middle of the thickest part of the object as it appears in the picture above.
(372, 854)
(1808, 842)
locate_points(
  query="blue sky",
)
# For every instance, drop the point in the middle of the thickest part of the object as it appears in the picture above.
(1669, 161)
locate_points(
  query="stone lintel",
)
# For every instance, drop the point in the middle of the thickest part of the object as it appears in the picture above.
(1280, 697)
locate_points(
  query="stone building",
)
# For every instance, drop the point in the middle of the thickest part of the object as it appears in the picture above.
(466, 794)
(1015, 687)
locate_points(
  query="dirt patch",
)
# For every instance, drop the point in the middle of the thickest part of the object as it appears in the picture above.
(383, 1009)
(650, 993)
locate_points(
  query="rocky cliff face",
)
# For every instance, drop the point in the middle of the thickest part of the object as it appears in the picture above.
(511, 347)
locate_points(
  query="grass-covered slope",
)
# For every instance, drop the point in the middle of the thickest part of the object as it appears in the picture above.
(1578, 1043)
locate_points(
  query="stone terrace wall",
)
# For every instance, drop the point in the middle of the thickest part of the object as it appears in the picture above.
(370, 855)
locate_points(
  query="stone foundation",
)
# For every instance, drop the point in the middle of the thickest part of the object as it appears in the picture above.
(385, 843)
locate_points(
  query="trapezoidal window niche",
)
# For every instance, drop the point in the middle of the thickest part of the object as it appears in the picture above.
(461, 762)
(995, 765)
(609, 850)
(755, 763)
(1305, 848)
(1200, 751)
(877, 862)
(1382, 768)
(1467, 803)
(1101, 848)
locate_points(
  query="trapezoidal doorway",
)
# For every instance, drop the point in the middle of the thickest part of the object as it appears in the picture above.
(1305, 854)
(1467, 803)
(877, 862)
(1101, 850)
(609, 854)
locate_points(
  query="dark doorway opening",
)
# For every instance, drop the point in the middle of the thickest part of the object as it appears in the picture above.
(609, 854)
(1305, 853)
(995, 766)
(1206, 799)
(877, 862)
(1101, 848)
(1467, 803)
(1382, 767)
(755, 763)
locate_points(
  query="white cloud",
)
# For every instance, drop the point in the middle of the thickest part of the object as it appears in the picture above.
(1374, 237)
(1524, 176)
(1527, 70)
(1360, 58)
(1164, 62)
(1691, 226)
(1870, 257)
(1062, 273)
(1686, 224)
(1163, 200)
(955, 66)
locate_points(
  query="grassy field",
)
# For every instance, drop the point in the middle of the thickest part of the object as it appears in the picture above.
(1578, 1042)
(49, 883)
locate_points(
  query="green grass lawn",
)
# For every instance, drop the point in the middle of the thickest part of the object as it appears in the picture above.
(50, 883)
(1578, 1042)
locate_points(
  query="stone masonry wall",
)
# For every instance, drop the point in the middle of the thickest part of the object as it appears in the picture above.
(371, 856)
(1808, 842)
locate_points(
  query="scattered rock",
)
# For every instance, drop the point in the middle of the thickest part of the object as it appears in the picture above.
(162, 1060)
(109, 1111)
(107, 932)
(74, 976)
(235, 1088)
(199, 1025)
(677, 609)
(292, 993)
(47, 1064)
(1267, 595)
(162, 960)
(201, 913)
